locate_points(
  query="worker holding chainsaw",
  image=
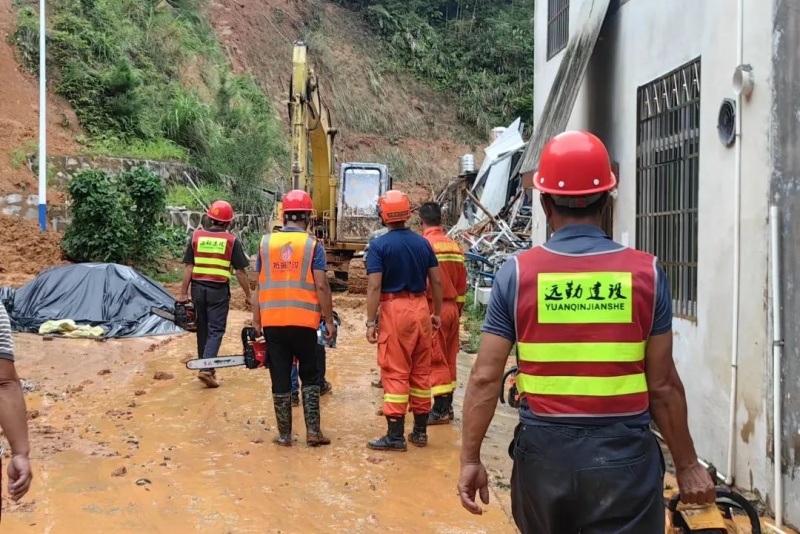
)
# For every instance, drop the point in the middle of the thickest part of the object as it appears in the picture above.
(446, 341)
(293, 293)
(209, 258)
(592, 320)
(399, 265)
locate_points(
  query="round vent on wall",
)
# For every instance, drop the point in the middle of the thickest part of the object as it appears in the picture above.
(726, 122)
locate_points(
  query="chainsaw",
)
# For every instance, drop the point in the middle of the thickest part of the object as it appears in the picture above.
(183, 315)
(717, 518)
(254, 355)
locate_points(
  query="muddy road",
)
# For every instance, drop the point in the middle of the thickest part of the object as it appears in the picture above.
(125, 440)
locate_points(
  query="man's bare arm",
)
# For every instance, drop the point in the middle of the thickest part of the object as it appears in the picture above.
(480, 400)
(435, 277)
(187, 279)
(324, 293)
(374, 282)
(669, 411)
(13, 412)
(241, 276)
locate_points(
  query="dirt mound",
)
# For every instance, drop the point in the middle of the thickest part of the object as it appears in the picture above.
(25, 250)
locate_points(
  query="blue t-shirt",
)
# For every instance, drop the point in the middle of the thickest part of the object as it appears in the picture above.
(573, 239)
(320, 263)
(404, 258)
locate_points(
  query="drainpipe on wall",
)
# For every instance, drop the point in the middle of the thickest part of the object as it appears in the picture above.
(777, 356)
(736, 251)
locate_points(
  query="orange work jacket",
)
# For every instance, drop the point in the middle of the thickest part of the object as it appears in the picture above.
(451, 265)
(287, 295)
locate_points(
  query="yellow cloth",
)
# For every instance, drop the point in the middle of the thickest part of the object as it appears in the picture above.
(68, 328)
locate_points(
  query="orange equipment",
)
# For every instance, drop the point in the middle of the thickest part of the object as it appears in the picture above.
(287, 294)
(404, 354)
(575, 164)
(394, 206)
(221, 211)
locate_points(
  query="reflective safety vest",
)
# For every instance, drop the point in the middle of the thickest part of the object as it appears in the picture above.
(582, 328)
(287, 295)
(212, 255)
(451, 264)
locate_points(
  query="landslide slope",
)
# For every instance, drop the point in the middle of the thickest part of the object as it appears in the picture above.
(383, 115)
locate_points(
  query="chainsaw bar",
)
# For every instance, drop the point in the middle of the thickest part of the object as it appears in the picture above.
(164, 314)
(214, 363)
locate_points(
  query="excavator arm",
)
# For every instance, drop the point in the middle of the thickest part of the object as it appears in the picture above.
(311, 128)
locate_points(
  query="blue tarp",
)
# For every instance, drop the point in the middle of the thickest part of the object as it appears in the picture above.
(114, 297)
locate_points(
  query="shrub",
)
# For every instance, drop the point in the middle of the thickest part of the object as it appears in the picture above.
(117, 221)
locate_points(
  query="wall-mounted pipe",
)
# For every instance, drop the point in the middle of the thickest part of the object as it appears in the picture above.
(777, 356)
(737, 192)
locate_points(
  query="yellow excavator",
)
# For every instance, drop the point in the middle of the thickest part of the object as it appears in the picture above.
(345, 204)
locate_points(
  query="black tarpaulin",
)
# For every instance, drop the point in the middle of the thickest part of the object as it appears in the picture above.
(114, 297)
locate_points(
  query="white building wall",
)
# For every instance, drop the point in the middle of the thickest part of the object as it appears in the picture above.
(641, 42)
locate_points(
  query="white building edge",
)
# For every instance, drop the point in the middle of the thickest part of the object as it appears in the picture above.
(658, 89)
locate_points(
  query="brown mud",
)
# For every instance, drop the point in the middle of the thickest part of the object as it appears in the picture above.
(117, 451)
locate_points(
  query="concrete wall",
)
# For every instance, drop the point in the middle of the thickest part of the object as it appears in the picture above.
(61, 170)
(640, 42)
(785, 179)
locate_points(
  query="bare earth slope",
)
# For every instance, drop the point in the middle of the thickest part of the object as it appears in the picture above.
(381, 116)
(19, 115)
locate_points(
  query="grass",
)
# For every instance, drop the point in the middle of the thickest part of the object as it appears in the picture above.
(181, 195)
(474, 321)
(19, 155)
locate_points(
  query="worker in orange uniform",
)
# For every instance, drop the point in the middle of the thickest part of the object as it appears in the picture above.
(209, 258)
(592, 320)
(399, 265)
(446, 341)
(293, 293)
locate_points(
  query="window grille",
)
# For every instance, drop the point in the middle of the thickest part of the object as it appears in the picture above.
(557, 26)
(667, 179)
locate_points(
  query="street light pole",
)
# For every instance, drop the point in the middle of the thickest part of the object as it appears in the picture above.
(42, 120)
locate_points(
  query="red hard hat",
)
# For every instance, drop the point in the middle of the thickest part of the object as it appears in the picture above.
(574, 164)
(395, 207)
(220, 211)
(297, 200)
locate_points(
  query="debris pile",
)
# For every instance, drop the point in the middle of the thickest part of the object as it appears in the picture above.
(488, 210)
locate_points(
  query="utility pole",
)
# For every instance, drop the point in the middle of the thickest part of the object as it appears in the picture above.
(42, 120)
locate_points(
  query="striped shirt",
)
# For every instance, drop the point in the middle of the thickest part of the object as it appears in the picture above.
(6, 341)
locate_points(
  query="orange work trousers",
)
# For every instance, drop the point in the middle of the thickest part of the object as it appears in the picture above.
(446, 344)
(404, 353)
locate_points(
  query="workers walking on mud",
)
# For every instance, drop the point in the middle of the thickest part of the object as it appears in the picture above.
(209, 257)
(446, 340)
(399, 265)
(592, 320)
(13, 414)
(293, 293)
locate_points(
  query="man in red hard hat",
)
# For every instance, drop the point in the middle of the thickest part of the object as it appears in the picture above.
(293, 294)
(592, 320)
(210, 256)
(399, 265)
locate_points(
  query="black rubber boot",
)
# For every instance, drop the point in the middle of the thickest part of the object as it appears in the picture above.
(439, 414)
(394, 440)
(450, 412)
(325, 388)
(295, 399)
(283, 415)
(419, 435)
(314, 437)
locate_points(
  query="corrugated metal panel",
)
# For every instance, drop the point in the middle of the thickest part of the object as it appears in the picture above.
(567, 83)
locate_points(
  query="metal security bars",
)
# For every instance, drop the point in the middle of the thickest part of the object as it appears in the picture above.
(557, 26)
(667, 179)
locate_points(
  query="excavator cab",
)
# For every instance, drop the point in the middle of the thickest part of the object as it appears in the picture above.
(360, 187)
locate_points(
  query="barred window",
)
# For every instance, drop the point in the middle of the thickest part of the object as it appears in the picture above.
(557, 26)
(667, 179)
